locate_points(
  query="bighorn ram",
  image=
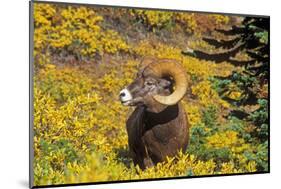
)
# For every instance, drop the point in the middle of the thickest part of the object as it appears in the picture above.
(158, 127)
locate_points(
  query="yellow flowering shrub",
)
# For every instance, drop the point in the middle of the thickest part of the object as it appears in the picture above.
(201, 69)
(207, 95)
(227, 139)
(154, 19)
(74, 29)
(229, 167)
(193, 113)
(188, 20)
(191, 22)
(79, 123)
(201, 23)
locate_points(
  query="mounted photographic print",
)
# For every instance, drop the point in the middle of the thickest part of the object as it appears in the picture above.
(123, 94)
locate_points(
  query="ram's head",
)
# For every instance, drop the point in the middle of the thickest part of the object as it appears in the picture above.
(160, 80)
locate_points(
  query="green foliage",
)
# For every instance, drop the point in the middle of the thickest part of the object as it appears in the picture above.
(65, 84)
(260, 118)
(198, 146)
(209, 117)
(263, 36)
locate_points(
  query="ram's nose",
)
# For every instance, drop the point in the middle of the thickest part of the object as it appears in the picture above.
(125, 95)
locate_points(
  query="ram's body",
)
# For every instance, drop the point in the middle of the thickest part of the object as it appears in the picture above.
(158, 127)
(153, 136)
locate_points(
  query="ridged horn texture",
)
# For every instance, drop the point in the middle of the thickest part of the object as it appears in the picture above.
(170, 68)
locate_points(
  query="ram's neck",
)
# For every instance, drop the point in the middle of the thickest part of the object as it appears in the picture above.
(155, 107)
(164, 116)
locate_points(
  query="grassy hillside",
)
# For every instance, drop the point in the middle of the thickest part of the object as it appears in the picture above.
(83, 57)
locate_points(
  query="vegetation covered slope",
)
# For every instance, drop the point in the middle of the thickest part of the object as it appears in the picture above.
(83, 56)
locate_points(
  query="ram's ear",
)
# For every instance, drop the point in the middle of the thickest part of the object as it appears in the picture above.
(164, 83)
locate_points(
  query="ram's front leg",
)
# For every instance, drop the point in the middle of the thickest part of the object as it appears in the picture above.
(142, 159)
(148, 162)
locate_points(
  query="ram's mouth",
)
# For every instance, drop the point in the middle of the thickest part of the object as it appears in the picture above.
(126, 103)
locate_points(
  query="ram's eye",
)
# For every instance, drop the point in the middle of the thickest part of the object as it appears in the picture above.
(149, 83)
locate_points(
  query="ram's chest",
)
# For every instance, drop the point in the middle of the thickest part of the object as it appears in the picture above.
(135, 126)
(159, 128)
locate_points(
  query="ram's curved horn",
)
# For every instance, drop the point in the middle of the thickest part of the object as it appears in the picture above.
(170, 68)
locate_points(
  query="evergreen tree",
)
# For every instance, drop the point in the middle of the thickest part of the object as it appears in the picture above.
(252, 76)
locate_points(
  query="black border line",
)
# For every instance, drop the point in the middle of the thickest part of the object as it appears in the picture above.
(268, 89)
(31, 152)
(31, 73)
